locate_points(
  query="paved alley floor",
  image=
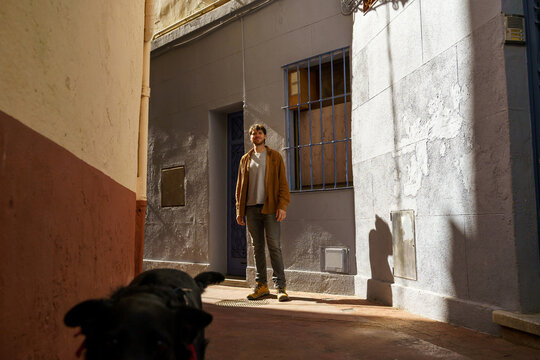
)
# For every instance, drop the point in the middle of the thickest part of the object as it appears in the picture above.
(322, 326)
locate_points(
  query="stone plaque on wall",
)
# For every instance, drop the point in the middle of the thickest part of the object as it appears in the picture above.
(172, 186)
(404, 244)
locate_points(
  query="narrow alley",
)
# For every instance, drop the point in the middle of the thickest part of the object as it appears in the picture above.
(322, 326)
(399, 164)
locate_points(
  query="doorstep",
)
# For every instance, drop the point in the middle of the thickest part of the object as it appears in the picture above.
(234, 281)
(519, 328)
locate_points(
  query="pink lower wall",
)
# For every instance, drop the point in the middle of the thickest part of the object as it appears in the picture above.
(66, 234)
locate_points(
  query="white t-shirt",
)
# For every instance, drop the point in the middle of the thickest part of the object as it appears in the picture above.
(257, 174)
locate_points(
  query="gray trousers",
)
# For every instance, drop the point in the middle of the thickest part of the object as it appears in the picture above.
(258, 224)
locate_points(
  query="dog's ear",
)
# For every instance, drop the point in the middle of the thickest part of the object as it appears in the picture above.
(87, 313)
(191, 321)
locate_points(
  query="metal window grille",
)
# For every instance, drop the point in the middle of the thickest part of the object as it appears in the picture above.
(318, 122)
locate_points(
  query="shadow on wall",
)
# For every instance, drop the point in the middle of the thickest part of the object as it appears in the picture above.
(459, 274)
(163, 236)
(379, 287)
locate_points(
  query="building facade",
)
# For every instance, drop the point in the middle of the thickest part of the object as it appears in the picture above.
(407, 135)
(199, 81)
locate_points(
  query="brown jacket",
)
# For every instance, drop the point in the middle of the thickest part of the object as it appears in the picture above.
(276, 188)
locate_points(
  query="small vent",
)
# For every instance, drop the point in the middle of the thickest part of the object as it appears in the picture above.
(336, 259)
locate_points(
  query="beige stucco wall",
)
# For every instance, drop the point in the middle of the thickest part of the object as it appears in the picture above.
(72, 70)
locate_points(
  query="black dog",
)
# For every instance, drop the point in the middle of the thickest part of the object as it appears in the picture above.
(157, 316)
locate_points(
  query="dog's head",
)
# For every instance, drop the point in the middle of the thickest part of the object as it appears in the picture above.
(138, 326)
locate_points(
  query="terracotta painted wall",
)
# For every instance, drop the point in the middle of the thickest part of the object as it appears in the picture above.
(67, 232)
(70, 90)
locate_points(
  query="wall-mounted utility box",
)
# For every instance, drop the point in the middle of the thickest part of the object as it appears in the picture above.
(404, 244)
(172, 186)
(336, 259)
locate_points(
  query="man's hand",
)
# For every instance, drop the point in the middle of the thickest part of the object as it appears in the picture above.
(240, 220)
(281, 215)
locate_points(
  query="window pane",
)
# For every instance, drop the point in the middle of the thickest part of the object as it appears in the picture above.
(339, 131)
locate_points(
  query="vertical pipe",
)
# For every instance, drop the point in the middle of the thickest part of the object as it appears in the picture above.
(298, 125)
(309, 113)
(333, 118)
(346, 130)
(322, 128)
(288, 129)
(142, 160)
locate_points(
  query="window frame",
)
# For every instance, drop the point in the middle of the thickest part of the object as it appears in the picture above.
(294, 146)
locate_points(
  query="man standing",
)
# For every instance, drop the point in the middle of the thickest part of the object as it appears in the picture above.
(262, 196)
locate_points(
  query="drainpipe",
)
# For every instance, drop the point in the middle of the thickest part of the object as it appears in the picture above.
(143, 138)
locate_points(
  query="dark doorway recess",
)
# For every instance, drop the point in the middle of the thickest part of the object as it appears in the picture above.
(236, 234)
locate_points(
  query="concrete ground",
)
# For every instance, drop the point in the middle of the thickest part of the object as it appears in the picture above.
(322, 326)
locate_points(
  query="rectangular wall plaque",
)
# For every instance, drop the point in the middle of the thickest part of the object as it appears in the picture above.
(172, 187)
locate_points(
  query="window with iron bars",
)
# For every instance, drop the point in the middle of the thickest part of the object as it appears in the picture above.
(318, 121)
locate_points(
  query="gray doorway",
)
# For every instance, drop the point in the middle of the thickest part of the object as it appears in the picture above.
(532, 19)
(236, 234)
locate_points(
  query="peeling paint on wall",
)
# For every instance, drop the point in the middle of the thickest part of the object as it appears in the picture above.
(445, 121)
(415, 169)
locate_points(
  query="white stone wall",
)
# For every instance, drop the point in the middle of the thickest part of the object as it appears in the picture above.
(431, 133)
